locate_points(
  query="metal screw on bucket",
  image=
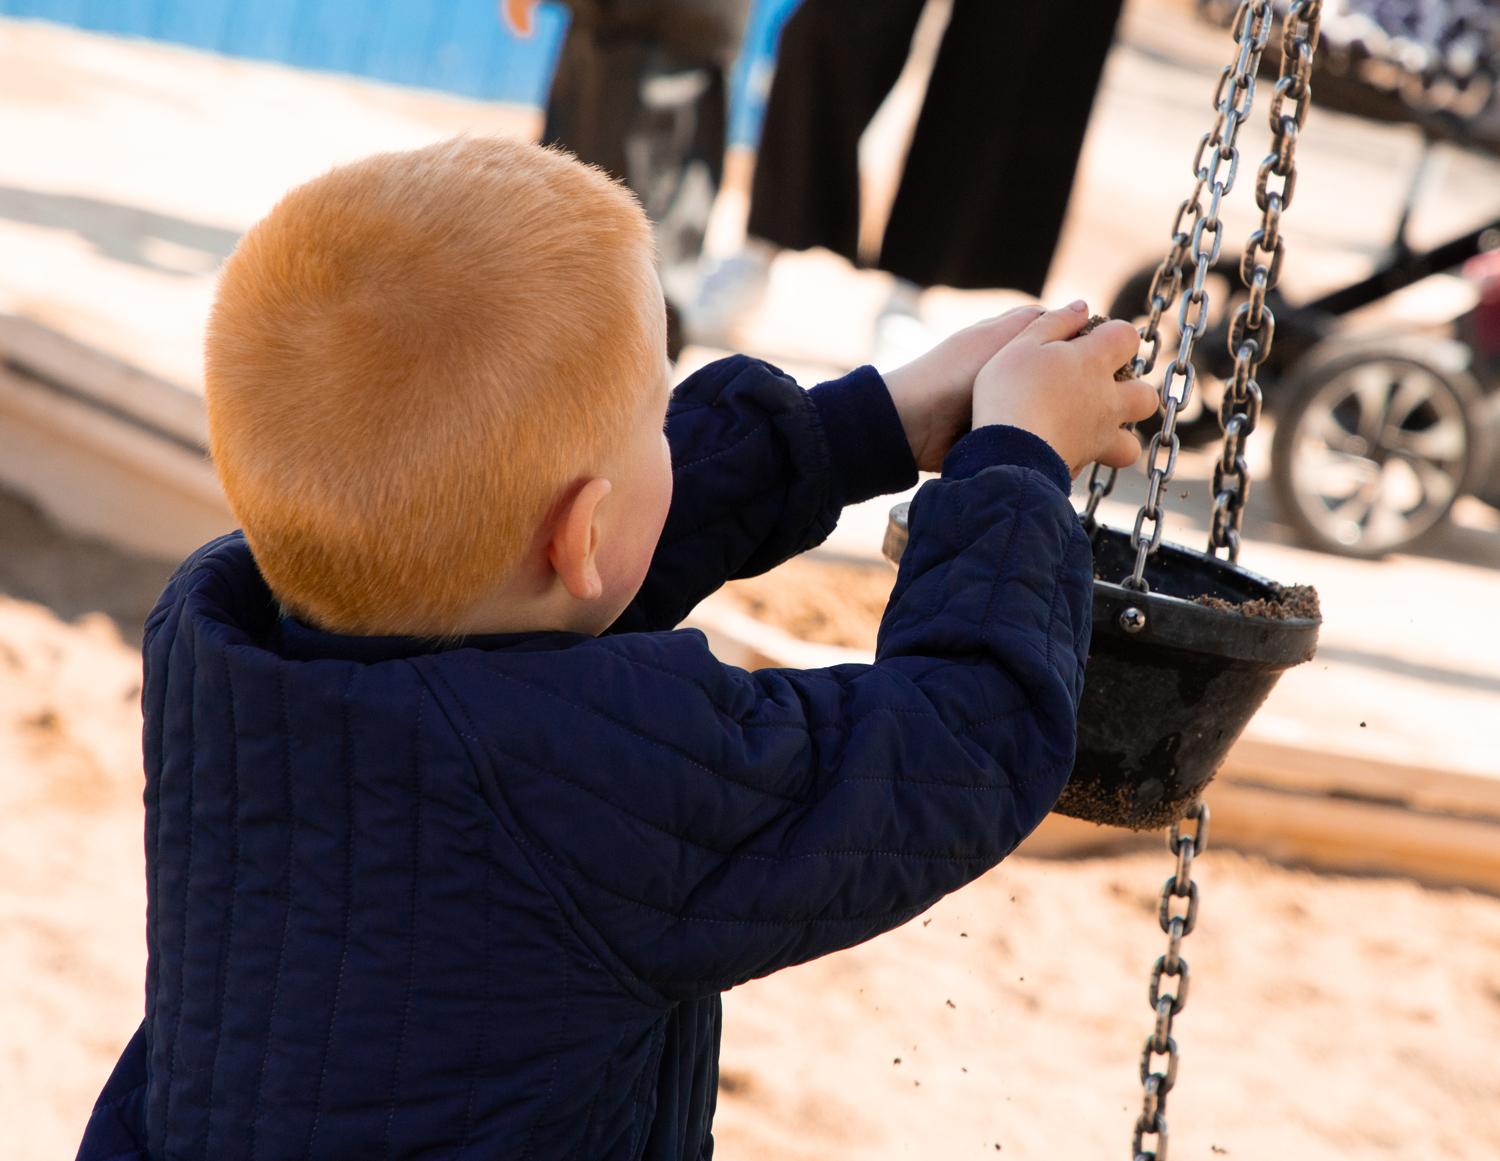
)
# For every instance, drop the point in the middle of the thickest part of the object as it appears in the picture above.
(1132, 620)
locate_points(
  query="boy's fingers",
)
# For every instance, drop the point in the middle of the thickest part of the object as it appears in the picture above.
(1010, 322)
(1007, 326)
(986, 338)
(1117, 341)
(1138, 400)
(1122, 451)
(1053, 326)
(1027, 308)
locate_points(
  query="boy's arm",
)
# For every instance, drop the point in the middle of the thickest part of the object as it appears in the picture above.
(702, 826)
(760, 472)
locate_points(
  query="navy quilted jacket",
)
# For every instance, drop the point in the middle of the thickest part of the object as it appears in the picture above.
(479, 900)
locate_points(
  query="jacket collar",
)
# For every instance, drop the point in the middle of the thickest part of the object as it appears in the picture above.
(222, 583)
(297, 641)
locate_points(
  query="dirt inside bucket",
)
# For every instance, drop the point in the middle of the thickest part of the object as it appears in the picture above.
(1288, 603)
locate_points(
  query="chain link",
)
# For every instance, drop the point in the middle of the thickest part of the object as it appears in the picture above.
(1169, 970)
(1253, 326)
(1251, 332)
(1197, 234)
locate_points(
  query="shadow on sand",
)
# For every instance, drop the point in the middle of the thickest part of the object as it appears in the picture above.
(141, 237)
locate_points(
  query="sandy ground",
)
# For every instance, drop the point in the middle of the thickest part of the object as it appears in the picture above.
(72, 887)
(1329, 1017)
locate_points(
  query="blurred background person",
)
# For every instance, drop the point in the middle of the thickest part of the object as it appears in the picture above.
(641, 90)
(986, 182)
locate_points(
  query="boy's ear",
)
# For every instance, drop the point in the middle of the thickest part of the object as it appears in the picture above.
(574, 548)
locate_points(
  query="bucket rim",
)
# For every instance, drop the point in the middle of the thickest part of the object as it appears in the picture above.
(1178, 622)
(1171, 621)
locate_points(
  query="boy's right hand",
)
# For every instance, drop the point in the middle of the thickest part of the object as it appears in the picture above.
(1063, 388)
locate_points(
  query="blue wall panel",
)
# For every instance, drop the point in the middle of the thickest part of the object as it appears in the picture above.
(196, 23)
(265, 30)
(324, 38)
(459, 46)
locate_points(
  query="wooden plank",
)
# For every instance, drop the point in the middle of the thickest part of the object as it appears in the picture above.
(1341, 834)
(88, 374)
(1323, 831)
(1280, 765)
(104, 477)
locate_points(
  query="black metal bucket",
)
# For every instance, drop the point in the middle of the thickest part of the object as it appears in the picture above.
(1171, 683)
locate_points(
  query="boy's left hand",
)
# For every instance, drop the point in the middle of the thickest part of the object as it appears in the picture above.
(934, 393)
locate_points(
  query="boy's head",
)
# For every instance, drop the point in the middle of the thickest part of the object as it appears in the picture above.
(414, 366)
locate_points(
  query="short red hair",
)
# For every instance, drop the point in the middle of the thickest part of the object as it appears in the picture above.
(410, 357)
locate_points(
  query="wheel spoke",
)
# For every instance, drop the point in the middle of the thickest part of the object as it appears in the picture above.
(1338, 438)
(1355, 507)
(1437, 486)
(1409, 392)
(1335, 476)
(1384, 523)
(1444, 442)
(1372, 387)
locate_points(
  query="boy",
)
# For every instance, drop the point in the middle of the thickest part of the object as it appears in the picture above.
(452, 843)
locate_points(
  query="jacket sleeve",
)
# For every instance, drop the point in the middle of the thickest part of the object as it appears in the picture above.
(702, 825)
(760, 471)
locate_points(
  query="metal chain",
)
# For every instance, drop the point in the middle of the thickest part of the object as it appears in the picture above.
(1251, 332)
(1253, 327)
(1157, 1084)
(1196, 233)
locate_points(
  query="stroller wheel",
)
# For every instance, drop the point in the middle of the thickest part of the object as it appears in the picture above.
(1373, 446)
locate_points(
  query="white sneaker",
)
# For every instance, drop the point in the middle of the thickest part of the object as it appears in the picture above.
(900, 334)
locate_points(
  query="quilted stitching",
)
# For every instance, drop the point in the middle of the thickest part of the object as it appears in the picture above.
(470, 893)
(222, 992)
(291, 846)
(346, 906)
(411, 938)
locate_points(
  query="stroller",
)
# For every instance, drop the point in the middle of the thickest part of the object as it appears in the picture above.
(1377, 438)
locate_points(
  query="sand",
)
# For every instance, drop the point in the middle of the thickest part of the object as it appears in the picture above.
(819, 600)
(1328, 1017)
(72, 889)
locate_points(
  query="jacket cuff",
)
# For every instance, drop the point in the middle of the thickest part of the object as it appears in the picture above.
(999, 443)
(865, 438)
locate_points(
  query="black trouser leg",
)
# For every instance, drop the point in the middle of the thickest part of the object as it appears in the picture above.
(837, 61)
(641, 89)
(991, 165)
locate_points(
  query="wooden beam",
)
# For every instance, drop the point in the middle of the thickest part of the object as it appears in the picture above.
(91, 376)
(1339, 833)
(105, 476)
